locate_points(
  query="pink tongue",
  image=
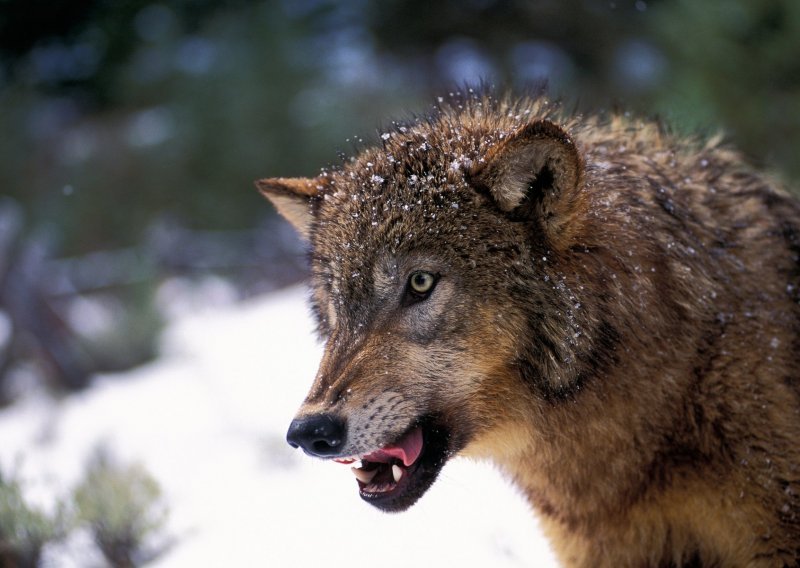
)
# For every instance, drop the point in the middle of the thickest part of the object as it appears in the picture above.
(407, 450)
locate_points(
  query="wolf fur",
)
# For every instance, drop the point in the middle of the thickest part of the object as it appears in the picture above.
(615, 324)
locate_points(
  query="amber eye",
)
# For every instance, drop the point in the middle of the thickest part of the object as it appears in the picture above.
(421, 283)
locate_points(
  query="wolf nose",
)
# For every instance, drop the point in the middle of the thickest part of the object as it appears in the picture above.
(320, 435)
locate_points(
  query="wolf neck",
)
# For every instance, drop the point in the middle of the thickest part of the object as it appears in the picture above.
(624, 467)
(574, 470)
(587, 455)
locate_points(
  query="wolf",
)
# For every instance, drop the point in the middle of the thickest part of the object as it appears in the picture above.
(606, 310)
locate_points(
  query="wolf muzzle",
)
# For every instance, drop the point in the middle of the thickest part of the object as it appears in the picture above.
(319, 435)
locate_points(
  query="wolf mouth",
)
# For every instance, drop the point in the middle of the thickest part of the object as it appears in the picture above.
(395, 476)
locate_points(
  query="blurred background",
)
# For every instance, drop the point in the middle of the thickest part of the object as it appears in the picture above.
(131, 132)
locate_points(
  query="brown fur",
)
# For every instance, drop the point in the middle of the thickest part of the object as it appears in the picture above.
(617, 323)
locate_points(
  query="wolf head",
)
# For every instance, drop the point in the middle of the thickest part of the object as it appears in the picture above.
(435, 285)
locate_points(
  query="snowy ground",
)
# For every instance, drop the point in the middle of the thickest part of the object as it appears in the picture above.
(208, 418)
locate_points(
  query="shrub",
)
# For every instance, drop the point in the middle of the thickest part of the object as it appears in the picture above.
(122, 506)
(25, 529)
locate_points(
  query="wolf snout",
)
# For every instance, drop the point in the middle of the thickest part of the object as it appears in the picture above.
(320, 435)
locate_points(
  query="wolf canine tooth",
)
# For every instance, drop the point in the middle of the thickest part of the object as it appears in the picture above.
(397, 473)
(363, 476)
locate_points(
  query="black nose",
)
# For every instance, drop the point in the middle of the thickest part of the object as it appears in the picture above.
(320, 435)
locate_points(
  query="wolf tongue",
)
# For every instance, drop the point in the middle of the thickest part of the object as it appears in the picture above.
(407, 449)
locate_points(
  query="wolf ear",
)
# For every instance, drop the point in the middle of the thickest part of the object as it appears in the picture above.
(292, 198)
(534, 173)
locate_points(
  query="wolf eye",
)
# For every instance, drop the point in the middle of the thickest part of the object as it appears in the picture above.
(421, 284)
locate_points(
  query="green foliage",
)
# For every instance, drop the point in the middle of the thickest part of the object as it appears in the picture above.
(24, 528)
(121, 505)
(179, 122)
(123, 508)
(128, 337)
(735, 64)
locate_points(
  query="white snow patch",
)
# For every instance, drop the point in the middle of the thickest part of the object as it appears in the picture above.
(208, 421)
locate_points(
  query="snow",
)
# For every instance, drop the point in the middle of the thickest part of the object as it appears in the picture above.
(208, 419)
